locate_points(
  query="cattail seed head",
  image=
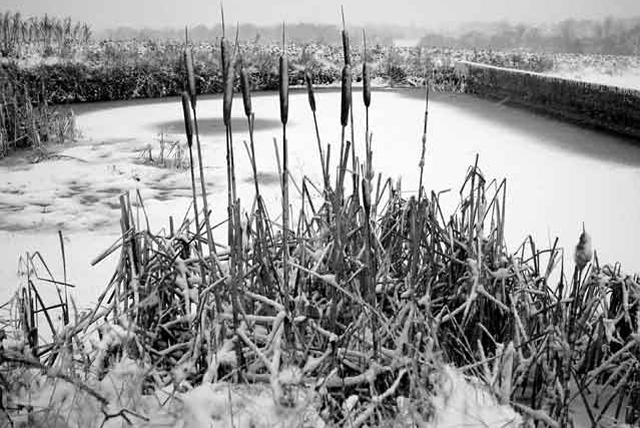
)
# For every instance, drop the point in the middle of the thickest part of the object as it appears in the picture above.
(186, 112)
(366, 85)
(366, 195)
(366, 76)
(310, 92)
(245, 86)
(284, 88)
(584, 251)
(346, 95)
(228, 93)
(191, 77)
(225, 57)
(345, 47)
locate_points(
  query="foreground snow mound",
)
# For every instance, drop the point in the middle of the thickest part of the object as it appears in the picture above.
(463, 403)
(61, 399)
(455, 401)
(224, 405)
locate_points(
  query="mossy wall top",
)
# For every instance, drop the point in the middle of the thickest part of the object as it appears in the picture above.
(604, 107)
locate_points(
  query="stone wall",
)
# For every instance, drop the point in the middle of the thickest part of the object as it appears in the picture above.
(603, 107)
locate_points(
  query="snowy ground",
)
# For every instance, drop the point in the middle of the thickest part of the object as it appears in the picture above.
(457, 403)
(627, 78)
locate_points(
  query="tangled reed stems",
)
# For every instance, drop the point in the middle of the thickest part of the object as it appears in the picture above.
(28, 122)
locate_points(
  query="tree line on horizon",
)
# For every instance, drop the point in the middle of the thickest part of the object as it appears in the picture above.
(608, 36)
(612, 36)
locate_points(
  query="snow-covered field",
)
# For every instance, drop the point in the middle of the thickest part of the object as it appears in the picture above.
(558, 175)
(621, 71)
(628, 79)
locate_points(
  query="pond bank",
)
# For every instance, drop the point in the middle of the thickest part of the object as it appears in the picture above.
(610, 108)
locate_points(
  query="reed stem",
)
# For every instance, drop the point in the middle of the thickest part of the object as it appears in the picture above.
(424, 139)
(284, 114)
(312, 106)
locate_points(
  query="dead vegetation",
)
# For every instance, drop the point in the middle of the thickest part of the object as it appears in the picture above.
(27, 122)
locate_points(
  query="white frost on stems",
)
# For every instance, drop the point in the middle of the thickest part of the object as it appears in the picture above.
(182, 283)
(112, 335)
(121, 386)
(223, 356)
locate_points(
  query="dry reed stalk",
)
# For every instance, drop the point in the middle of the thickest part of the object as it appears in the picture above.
(312, 105)
(65, 311)
(188, 127)
(191, 126)
(348, 113)
(245, 87)
(284, 116)
(366, 95)
(369, 273)
(228, 97)
(345, 107)
(233, 224)
(227, 111)
(424, 138)
(4, 147)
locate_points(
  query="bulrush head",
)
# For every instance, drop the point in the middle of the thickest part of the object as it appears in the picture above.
(228, 94)
(346, 75)
(191, 77)
(366, 76)
(229, 78)
(346, 95)
(188, 123)
(245, 87)
(225, 56)
(584, 250)
(310, 91)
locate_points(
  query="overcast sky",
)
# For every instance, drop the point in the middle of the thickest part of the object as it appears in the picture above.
(103, 14)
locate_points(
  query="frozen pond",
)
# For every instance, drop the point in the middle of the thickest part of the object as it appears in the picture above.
(558, 175)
